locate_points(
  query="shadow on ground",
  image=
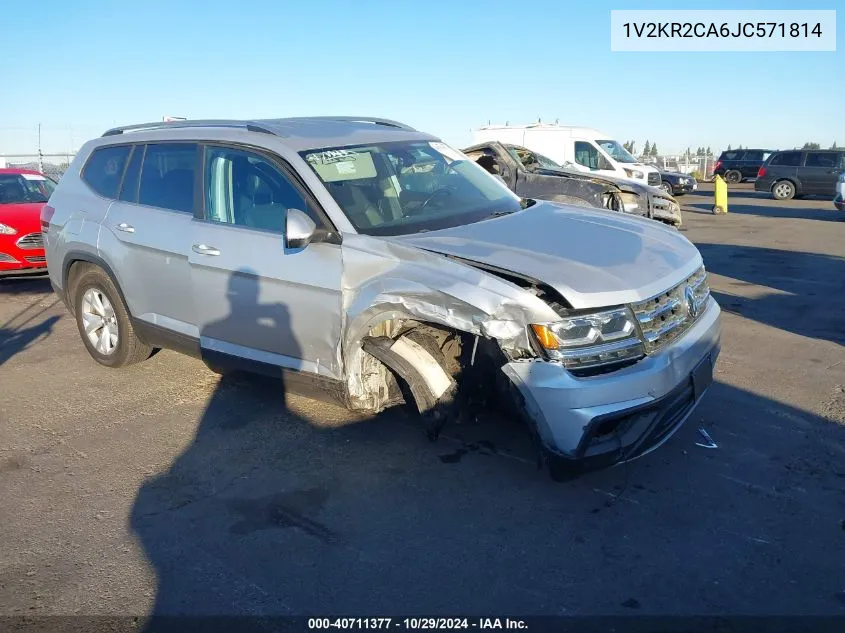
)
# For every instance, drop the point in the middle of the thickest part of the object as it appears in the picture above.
(773, 210)
(14, 340)
(271, 511)
(24, 328)
(266, 514)
(803, 293)
(24, 283)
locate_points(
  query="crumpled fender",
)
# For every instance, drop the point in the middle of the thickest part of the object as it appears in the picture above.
(384, 281)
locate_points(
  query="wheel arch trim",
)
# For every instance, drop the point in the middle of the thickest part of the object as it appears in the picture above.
(73, 257)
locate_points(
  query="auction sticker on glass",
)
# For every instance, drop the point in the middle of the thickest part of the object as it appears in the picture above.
(722, 30)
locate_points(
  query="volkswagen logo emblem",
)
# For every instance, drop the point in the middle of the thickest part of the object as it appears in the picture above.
(692, 306)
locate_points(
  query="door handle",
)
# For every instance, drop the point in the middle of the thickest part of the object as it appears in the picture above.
(204, 249)
(126, 228)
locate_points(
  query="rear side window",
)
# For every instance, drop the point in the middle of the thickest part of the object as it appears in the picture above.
(821, 159)
(756, 156)
(167, 176)
(104, 169)
(129, 188)
(730, 155)
(786, 159)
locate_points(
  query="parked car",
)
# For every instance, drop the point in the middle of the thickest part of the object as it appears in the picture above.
(23, 193)
(794, 173)
(839, 199)
(374, 264)
(677, 184)
(590, 149)
(533, 175)
(741, 164)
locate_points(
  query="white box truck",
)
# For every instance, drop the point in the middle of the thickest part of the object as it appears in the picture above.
(580, 147)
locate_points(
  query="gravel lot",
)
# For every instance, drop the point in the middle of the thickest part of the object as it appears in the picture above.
(162, 488)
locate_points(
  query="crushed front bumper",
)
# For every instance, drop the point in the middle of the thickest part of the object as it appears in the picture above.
(687, 187)
(607, 419)
(666, 210)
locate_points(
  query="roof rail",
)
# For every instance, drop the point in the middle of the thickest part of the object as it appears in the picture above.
(357, 119)
(248, 125)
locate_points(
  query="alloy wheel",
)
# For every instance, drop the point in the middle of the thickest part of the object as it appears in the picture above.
(99, 321)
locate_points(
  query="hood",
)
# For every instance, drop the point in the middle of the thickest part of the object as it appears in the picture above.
(592, 258)
(25, 216)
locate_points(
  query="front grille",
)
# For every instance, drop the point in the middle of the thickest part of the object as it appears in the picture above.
(7, 259)
(667, 316)
(36, 259)
(653, 179)
(666, 206)
(31, 242)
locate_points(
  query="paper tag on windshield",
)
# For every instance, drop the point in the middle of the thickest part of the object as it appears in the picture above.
(448, 152)
(33, 177)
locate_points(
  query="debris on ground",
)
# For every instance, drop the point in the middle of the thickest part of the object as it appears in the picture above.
(708, 441)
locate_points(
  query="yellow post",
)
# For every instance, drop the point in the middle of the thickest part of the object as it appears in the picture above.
(721, 195)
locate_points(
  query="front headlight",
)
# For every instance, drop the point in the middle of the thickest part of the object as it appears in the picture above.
(630, 202)
(589, 340)
(7, 230)
(633, 173)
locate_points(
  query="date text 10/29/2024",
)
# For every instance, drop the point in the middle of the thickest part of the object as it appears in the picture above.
(415, 624)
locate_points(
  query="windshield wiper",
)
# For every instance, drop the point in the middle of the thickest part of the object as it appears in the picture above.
(498, 214)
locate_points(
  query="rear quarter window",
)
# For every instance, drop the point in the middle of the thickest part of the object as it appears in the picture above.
(821, 159)
(167, 176)
(104, 169)
(786, 159)
(729, 155)
(755, 156)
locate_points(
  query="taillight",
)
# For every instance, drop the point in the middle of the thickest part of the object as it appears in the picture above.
(761, 172)
(717, 165)
(46, 215)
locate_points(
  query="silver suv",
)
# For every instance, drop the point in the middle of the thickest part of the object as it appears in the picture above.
(376, 264)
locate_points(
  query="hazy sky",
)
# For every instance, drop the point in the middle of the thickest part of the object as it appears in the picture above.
(443, 66)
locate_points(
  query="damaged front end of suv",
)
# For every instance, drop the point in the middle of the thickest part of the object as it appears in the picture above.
(598, 328)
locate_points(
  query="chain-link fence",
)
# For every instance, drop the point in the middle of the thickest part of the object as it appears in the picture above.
(700, 166)
(52, 165)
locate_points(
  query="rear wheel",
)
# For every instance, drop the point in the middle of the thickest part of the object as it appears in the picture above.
(783, 190)
(733, 176)
(103, 321)
(667, 187)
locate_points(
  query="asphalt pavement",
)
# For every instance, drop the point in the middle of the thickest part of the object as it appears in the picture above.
(162, 488)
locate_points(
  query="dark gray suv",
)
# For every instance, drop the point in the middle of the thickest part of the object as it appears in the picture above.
(794, 173)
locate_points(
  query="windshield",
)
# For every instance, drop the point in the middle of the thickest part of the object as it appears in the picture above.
(22, 188)
(408, 187)
(616, 151)
(531, 159)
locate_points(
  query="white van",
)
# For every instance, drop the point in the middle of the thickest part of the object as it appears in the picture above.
(582, 147)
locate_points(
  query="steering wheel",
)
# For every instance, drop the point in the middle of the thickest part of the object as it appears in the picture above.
(437, 192)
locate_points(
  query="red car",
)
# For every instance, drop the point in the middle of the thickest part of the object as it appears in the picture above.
(23, 193)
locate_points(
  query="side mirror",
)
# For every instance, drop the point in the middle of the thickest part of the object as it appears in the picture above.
(299, 229)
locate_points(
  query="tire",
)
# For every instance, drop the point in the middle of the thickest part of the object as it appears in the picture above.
(667, 187)
(97, 300)
(733, 176)
(717, 210)
(783, 190)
